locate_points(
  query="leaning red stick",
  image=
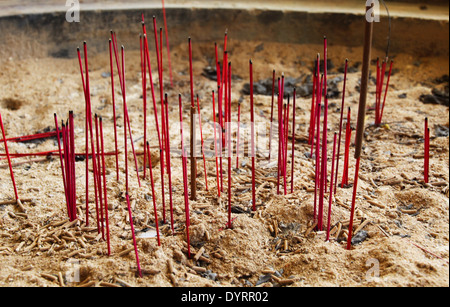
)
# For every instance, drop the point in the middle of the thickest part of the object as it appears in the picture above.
(9, 158)
(26, 138)
(324, 175)
(105, 193)
(427, 152)
(340, 126)
(155, 212)
(86, 134)
(331, 188)
(114, 107)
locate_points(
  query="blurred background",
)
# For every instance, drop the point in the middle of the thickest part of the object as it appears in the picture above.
(39, 27)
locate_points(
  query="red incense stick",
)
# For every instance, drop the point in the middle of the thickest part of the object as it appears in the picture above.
(168, 160)
(279, 136)
(324, 175)
(340, 126)
(144, 99)
(61, 158)
(238, 145)
(215, 144)
(26, 138)
(229, 145)
(155, 212)
(203, 143)
(185, 179)
(427, 152)
(133, 235)
(9, 158)
(348, 135)
(155, 109)
(99, 176)
(386, 91)
(252, 119)
(114, 107)
(167, 43)
(318, 175)
(105, 193)
(293, 142)
(331, 188)
(271, 115)
(355, 189)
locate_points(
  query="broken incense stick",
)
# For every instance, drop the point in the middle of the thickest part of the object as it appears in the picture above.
(427, 152)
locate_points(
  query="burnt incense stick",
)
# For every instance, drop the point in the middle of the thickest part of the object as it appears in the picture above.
(368, 35)
(9, 159)
(105, 193)
(340, 126)
(331, 188)
(152, 182)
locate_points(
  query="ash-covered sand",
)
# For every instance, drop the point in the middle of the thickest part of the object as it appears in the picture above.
(405, 221)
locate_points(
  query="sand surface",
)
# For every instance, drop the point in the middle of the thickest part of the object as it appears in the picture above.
(405, 220)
